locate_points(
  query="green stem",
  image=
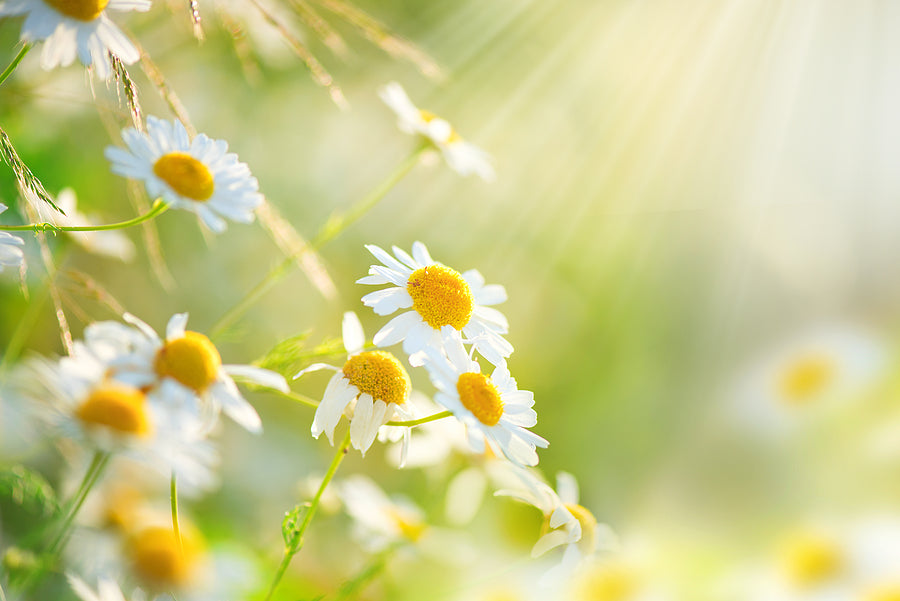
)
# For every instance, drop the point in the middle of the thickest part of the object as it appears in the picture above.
(422, 420)
(15, 63)
(300, 398)
(307, 518)
(98, 464)
(335, 225)
(158, 207)
(173, 495)
(351, 587)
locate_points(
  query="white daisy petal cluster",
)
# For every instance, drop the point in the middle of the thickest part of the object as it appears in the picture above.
(372, 387)
(76, 28)
(198, 175)
(11, 254)
(569, 524)
(380, 520)
(440, 298)
(461, 156)
(183, 364)
(77, 398)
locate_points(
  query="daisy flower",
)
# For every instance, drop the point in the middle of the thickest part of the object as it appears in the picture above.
(495, 412)
(107, 590)
(372, 385)
(182, 362)
(441, 298)
(616, 578)
(461, 156)
(76, 399)
(570, 524)
(808, 375)
(110, 243)
(10, 253)
(198, 175)
(76, 27)
(378, 519)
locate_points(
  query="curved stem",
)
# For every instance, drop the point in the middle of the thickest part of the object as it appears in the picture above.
(295, 396)
(421, 420)
(15, 63)
(289, 552)
(158, 207)
(332, 228)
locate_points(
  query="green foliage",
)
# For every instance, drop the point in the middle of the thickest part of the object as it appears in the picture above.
(290, 355)
(30, 492)
(290, 527)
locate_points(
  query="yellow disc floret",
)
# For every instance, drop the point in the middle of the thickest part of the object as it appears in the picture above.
(609, 581)
(441, 296)
(479, 395)
(810, 559)
(806, 378)
(186, 175)
(192, 360)
(82, 10)
(160, 561)
(117, 407)
(411, 527)
(428, 117)
(378, 374)
(588, 523)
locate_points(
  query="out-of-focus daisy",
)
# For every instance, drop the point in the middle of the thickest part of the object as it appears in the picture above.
(198, 175)
(570, 523)
(379, 520)
(495, 412)
(107, 590)
(73, 28)
(809, 374)
(76, 399)
(372, 385)
(182, 361)
(855, 562)
(110, 243)
(463, 157)
(441, 298)
(11, 254)
(615, 578)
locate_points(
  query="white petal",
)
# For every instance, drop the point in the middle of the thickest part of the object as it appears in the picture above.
(176, 326)
(397, 329)
(258, 375)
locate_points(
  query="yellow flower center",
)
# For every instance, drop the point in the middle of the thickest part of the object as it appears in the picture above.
(810, 559)
(890, 592)
(588, 523)
(611, 581)
(121, 506)
(428, 117)
(186, 175)
(412, 529)
(83, 10)
(479, 395)
(441, 296)
(192, 360)
(379, 375)
(118, 407)
(159, 561)
(806, 378)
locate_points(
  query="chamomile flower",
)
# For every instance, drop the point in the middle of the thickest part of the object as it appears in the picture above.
(372, 385)
(107, 590)
(11, 254)
(183, 362)
(441, 298)
(570, 524)
(808, 375)
(496, 413)
(198, 175)
(379, 520)
(74, 398)
(461, 156)
(111, 243)
(73, 28)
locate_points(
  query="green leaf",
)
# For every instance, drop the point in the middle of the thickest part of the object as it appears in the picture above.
(290, 526)
(29, 491)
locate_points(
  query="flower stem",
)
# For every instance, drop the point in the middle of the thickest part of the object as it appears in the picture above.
(335, 225)
(421, 420)
(289, 552)
(15, 63)
(173, 495)
(158, 207)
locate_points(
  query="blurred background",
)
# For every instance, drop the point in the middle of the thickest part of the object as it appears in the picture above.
(695, 217)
